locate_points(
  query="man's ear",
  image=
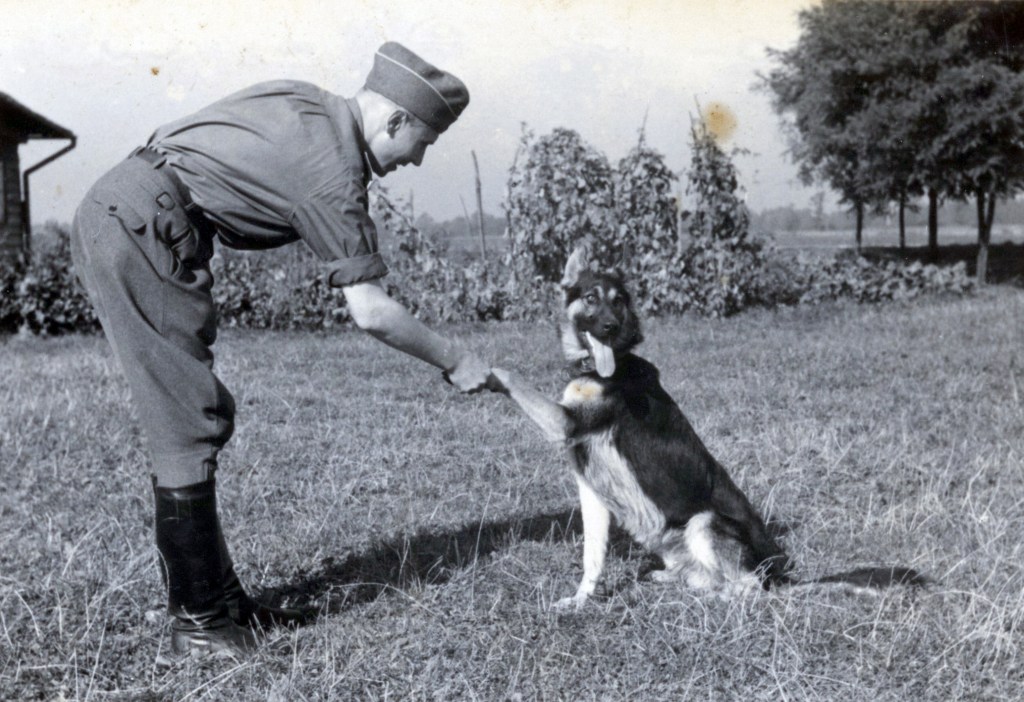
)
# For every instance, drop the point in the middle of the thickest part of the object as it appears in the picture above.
(578, 262)
(395, 121)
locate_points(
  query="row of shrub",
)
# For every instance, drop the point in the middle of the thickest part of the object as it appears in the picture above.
(285, 290)
(43, 296)
(560, 190)
(848, 276)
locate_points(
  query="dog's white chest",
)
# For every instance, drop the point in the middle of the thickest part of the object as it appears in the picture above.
(611, 477)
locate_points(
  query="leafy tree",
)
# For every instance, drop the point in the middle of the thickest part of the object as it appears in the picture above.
(821, 86)
(987, 140)
(942, 40)
(981, 144)
(899, 116)
(889, 100)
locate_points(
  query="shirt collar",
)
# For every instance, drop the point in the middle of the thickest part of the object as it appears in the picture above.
(364, 148)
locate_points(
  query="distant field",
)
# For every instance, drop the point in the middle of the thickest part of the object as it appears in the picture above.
(889, 236)
(876, 237)
(435, 530)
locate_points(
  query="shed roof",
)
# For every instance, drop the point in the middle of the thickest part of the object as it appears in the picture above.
(18, 119)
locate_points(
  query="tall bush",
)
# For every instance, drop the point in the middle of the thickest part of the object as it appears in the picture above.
(433, 288)
(720, 266)
(647, 227)
(275, 290)
(563, 191)
(560, 189)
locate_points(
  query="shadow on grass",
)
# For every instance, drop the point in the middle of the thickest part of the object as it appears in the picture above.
(433, 559)
(1005, 260)
(412, 559)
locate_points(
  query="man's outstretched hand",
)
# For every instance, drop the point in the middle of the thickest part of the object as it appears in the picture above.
(470, 375)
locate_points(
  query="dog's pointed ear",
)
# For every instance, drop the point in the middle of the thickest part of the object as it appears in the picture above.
(622, 264)
(578, 262)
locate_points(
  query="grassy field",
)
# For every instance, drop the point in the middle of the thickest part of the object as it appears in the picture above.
(435, 530)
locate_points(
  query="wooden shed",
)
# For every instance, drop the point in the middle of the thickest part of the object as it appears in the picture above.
(18, 124)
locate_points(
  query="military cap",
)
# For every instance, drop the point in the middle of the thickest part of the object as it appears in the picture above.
(435, 96)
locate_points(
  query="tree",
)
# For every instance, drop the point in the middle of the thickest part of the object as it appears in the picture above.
(980, 97)
(986, 140)
(890, 100)
(823, 85)
(945, 29)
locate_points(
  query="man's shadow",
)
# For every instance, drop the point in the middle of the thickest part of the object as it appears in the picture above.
(432, 559)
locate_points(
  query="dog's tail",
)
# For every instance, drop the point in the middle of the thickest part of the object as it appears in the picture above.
(871, 578)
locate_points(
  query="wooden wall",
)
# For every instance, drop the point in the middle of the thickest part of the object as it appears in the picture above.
(12, 227)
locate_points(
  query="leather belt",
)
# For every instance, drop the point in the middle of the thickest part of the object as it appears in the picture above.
(158, 161)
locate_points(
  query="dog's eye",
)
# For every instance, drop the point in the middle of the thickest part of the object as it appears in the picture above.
(590, 298)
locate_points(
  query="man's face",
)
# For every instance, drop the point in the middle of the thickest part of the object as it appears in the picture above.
(405, 142)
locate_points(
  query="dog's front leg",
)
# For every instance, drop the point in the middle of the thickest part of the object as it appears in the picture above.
(550, 416)
(596, 520)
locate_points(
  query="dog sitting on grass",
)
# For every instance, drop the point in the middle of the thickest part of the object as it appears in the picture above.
(637, 458)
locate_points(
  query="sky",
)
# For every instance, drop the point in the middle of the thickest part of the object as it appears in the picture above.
(112, 71)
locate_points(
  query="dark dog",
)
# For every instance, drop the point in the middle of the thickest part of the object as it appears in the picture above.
(638, 458)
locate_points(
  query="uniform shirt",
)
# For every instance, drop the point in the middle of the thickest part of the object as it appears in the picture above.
(278, 162)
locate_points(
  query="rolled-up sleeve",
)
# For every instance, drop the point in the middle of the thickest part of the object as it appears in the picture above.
(334, 222)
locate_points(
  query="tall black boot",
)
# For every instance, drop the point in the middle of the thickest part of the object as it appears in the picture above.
(246, 611)
(188, 536)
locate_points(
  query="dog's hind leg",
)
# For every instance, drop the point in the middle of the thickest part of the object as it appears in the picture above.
(739, 520)
(596, 521)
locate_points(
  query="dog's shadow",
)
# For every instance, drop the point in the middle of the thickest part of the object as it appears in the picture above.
(409, 559)
(431, 559)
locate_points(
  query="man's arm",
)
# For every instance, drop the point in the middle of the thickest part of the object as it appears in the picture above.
(387, 320)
